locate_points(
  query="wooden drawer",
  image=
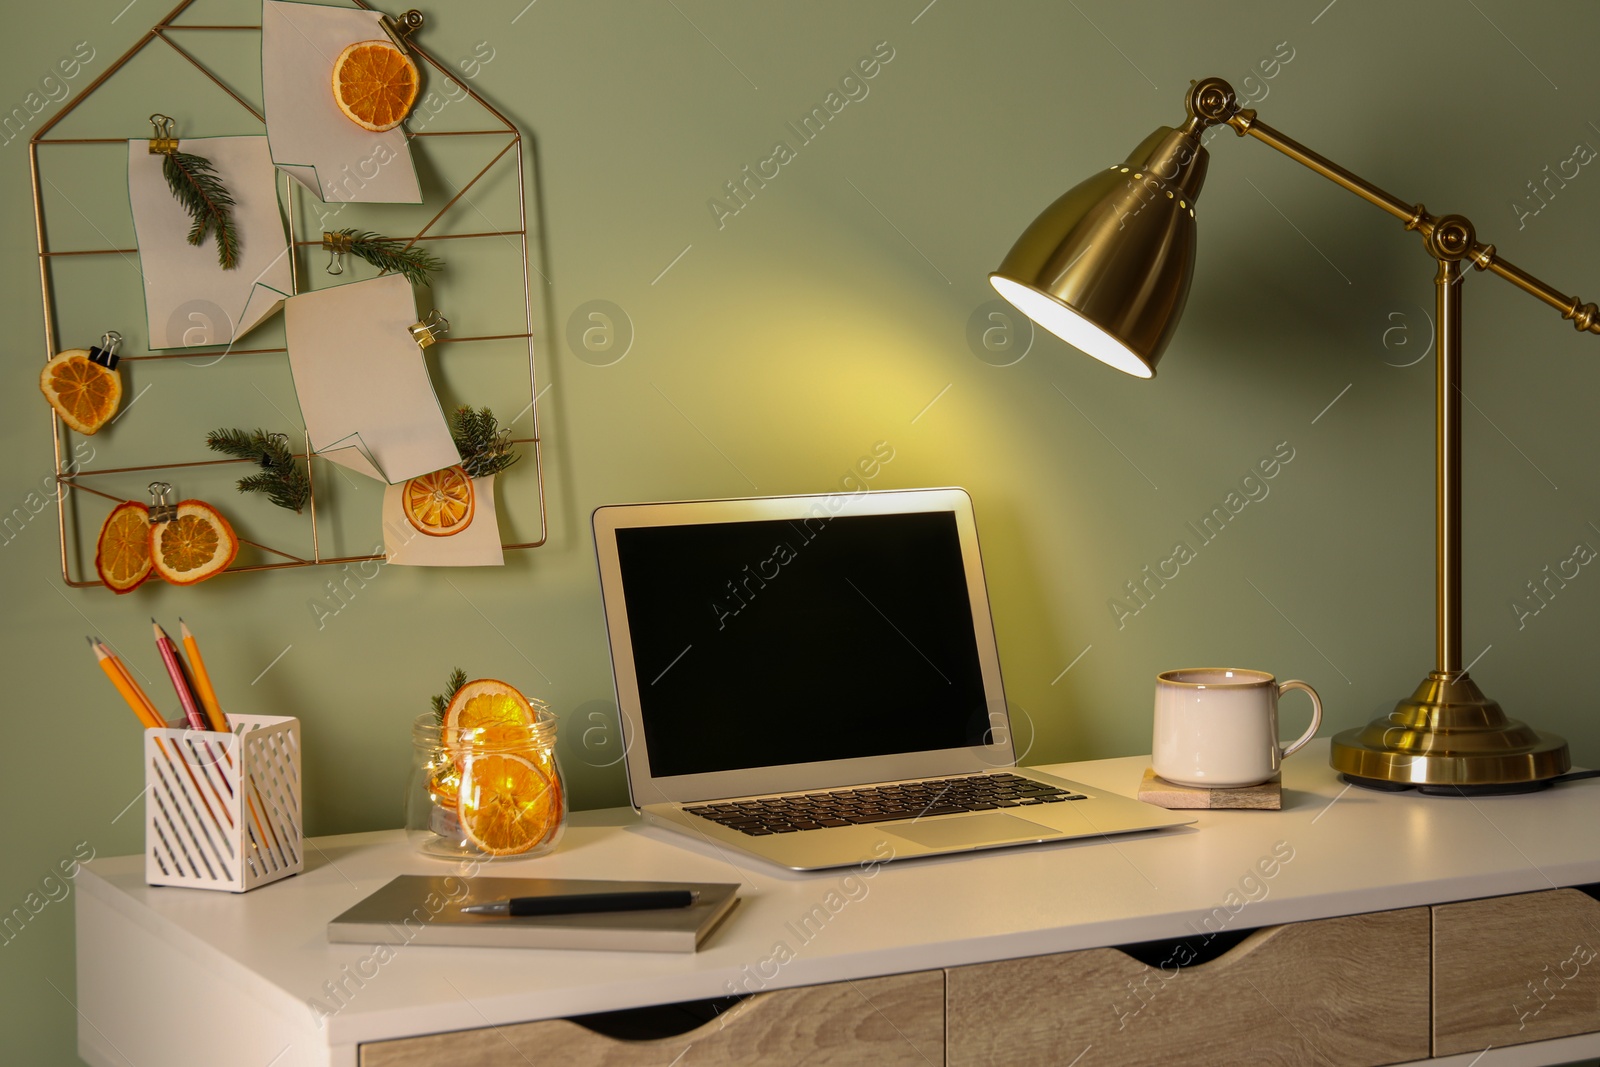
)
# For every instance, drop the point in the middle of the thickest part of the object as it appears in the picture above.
(871, 1022)
(1344, 991)
(1513, 969)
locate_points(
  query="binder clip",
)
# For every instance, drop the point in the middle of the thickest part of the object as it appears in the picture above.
(338, 246)
(106, 353)
(430, 329)
(401, 29)
(162, 509)
(162, 139)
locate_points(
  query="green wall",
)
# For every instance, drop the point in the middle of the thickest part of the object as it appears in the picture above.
(834, 311)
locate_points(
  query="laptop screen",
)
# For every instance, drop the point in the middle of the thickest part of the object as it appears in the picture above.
(800, 640)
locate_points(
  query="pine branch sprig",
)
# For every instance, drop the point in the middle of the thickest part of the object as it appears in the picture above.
(235, 443)
(391, 255)
(441, 701)
(484, 446)
(281, 477)
(289, 493)
(197, 187)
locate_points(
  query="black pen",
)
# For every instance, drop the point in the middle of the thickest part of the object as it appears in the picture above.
(575, 903)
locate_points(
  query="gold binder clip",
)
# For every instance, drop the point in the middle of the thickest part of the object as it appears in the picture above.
(430, 329)
(162, 509)
(106, 353)
(338, 246)
(401, 29)
(162, 141)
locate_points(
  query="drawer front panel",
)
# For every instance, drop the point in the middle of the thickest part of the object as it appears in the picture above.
(869, 1022)
(1346, 991)
(1513, 969)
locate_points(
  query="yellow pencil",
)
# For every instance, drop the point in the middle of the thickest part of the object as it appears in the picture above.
(202, 681)
(151, 712)
(118, 673)
(126, 686)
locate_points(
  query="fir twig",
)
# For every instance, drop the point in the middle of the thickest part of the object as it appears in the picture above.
(441, 701)
(281, 478)
(485, 448)
(390, 255)
(195, 184)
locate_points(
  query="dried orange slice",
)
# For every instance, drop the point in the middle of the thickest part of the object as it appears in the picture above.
(375, 85)
(122, 555)
(487, 713)
(439, 504)
(558, 801)
(195, 545)
(84, 394)
(444, 786)
(507, 804)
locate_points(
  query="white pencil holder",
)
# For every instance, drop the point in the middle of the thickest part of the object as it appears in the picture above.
(222, 811)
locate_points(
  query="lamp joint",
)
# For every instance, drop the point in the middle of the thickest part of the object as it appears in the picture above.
(1212, 102)
(1451, 238)
(1585, 317)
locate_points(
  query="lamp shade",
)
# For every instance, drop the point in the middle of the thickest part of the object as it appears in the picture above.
(1106, 267)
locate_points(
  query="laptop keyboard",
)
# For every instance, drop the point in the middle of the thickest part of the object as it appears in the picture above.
(885, 803)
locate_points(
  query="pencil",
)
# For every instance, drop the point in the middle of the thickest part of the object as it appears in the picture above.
(127, 676)
(126, 685)
(117, 671)
(180, 684)
(202, 681)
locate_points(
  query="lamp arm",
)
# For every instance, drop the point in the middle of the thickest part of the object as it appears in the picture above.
(1447, 238)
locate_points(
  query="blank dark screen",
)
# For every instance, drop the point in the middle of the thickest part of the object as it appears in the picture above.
(758, 644)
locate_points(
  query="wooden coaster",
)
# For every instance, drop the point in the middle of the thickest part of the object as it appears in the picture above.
(1268, 796)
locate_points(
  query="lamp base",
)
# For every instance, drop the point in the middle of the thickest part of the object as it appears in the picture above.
(1448, 738)
(1513, 789)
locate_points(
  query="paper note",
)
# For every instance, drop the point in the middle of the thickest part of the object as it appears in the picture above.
(311, 138)
(189, 299)
(476, 546)
(363, 386)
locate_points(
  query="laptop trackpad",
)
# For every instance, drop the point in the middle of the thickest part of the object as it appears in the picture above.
(989, 828)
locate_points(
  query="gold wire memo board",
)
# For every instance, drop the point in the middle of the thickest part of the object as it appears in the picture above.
(73, 479)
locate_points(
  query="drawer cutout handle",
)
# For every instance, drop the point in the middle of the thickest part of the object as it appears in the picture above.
(657, 1021)
(1201, 949)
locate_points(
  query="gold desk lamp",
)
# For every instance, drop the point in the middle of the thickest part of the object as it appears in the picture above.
(1107, 268)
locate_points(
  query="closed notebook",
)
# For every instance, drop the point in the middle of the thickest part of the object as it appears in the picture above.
(425, 910)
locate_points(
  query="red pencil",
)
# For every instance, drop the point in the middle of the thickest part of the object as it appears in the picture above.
(175, 671)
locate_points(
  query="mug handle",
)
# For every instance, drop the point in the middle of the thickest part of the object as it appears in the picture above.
(1316, 714)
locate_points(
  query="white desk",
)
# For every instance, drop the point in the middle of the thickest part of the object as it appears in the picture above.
(178, 976)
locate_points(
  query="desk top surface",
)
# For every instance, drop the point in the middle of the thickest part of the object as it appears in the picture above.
(1332, 850)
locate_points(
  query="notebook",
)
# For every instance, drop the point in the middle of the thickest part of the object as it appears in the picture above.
(426, 910)
(785, 653)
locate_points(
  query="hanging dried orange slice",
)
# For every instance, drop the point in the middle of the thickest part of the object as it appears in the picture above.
(507, 805)
(375, 85)
(122, 554)
(195, 545)
(488, 713)
(84, 393)
(439, 504)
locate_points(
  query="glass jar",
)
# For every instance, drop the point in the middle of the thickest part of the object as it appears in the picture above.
(485, 793)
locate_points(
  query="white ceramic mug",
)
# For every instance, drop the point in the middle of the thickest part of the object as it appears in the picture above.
(1217, 727)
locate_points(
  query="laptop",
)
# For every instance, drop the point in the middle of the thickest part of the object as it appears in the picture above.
(814, 680)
